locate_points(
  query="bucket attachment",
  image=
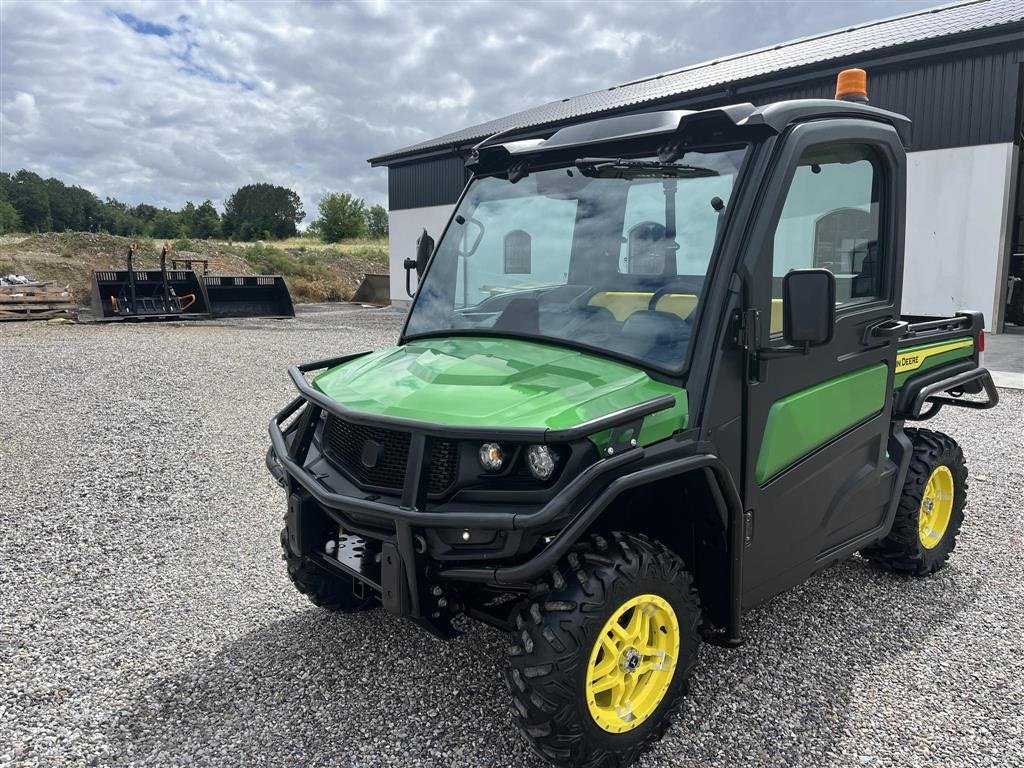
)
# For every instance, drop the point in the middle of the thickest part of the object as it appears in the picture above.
(167, 294)
(248, 296)
(375, 289)
(116, 296)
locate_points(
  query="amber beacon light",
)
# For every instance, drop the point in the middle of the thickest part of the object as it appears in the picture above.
(852, 85)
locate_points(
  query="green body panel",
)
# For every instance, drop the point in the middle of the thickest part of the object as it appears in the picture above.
(799, 423)
(496, 382)
(933, 360)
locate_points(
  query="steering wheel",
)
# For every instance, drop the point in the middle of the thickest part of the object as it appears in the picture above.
(692, 285)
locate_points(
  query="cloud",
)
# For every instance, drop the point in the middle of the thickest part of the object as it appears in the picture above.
(165, 102)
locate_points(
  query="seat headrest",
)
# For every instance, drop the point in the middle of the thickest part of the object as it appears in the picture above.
(656, 327)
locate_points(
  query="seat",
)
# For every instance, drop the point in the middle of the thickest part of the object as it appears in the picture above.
(521, 315)
(661, 337)
(622, 304)
(681, 304)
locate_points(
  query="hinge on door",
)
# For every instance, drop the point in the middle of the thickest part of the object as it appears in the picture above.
(746, 321)
(748, 527)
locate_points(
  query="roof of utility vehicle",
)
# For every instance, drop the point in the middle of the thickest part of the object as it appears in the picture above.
(772, 117)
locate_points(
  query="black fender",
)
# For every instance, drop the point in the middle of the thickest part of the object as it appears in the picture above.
(727, 502)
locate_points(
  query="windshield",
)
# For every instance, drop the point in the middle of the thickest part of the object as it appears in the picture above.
(606, 254)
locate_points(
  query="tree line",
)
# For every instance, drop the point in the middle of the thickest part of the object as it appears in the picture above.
(262, 211)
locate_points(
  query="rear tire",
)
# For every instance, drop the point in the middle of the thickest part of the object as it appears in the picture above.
(330, 591)
(931, 508)
(589, 694)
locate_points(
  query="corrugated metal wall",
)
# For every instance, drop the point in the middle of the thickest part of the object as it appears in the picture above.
(955, 100)
(436, 181)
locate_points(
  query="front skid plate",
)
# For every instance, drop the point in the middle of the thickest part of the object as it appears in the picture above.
(358, 558)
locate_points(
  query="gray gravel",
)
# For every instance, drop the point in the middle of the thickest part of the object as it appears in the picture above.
(147, 619)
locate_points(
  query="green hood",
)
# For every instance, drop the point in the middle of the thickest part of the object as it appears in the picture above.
(459, 381)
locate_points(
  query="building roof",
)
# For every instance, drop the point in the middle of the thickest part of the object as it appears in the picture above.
(918, 27)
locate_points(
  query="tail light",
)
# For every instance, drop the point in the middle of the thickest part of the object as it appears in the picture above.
(981, 341)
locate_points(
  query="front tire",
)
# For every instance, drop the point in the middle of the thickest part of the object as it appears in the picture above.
(930, 510)
(330, 591)
(604, 652)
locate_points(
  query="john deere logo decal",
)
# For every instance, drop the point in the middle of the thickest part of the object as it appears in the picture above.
(906, 362)
(914, 359)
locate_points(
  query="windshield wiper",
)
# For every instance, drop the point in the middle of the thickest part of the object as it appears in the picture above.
(618, 168)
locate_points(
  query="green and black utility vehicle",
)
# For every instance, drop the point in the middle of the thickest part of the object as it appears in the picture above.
(655, 373)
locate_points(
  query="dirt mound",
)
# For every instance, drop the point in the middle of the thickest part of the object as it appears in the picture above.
(313, 272)
(69, 258)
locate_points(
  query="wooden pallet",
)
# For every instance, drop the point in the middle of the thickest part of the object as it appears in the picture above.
(36, 301)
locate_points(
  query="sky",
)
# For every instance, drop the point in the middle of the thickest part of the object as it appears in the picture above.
(163, 102)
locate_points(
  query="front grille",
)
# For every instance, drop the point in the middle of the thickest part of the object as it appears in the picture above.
(444, 465)
(346, 443)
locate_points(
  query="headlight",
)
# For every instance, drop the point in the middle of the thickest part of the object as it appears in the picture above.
(491, 457)
(541, 461)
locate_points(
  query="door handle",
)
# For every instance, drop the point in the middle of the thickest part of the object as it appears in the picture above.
(887, 329)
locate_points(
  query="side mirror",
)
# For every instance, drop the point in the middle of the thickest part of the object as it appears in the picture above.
(424, 247)
(808, 307)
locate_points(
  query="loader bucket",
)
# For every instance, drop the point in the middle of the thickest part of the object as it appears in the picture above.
(248, 296)
(375, 289)
(112, 293)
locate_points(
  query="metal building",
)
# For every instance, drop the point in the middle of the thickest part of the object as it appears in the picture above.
(957, 71)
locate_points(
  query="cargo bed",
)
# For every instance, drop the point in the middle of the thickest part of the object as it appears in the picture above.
(938, 362)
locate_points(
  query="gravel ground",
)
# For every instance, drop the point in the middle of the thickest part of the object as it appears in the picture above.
(147, 619)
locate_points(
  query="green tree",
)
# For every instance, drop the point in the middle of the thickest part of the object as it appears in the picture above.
(29, 197)
(86, 206)
(187, 216)
(342, 215)
(377, 221)
(262, 210)
(167, 224)
(62, 206)
(114, 217)
(144, 211)
(9, 219)
(205, 221)
(71, 208)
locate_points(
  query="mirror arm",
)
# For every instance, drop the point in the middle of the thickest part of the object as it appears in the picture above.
(410, 265)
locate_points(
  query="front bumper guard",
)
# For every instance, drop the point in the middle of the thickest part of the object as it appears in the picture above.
(397, 579)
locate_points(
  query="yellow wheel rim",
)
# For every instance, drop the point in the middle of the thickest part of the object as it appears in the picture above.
(936, 507)
(632, 663)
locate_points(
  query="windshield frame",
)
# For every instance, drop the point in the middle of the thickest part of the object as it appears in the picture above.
(566, 159)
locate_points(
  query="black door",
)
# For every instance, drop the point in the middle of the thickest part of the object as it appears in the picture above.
(817, 477)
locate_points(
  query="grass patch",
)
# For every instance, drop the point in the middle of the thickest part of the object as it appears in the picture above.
(271, 260)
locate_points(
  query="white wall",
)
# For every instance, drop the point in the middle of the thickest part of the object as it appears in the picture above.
(404, 228)
(958, 203)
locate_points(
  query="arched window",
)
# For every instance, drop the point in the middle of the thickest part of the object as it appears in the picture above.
(517, 253)
(647, 248)
(841, 239)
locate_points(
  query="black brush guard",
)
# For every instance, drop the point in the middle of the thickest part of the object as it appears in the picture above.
(394, 575)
